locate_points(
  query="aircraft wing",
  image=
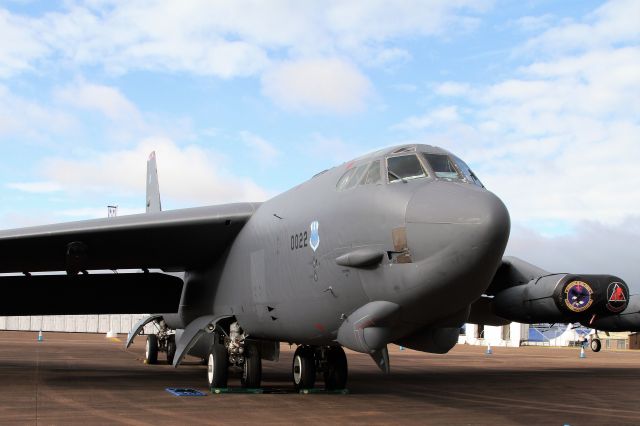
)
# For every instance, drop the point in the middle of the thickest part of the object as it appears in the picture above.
(173, 240)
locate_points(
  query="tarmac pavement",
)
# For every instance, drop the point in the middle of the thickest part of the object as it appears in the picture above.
(89, 379)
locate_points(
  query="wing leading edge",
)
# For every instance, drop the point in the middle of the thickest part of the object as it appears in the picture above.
(174, 240)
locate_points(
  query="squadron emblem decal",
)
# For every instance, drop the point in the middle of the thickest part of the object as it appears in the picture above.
(577, 296)
(314, 241)
(616, 297)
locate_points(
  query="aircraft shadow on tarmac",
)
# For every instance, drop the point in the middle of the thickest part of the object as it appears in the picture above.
(362, 383)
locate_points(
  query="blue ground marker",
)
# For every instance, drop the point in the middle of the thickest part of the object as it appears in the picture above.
(185, 392)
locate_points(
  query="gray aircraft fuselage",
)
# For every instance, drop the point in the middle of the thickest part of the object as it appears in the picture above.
(441, 242)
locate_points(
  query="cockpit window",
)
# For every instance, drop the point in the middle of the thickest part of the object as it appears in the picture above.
(467, 172)
(351, 177)
(357, 176)
(442, 166)
(404, 168)
(373, 174)
(344, 180)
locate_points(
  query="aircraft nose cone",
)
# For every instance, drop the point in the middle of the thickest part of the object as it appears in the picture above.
(456, 234)
(460, 215)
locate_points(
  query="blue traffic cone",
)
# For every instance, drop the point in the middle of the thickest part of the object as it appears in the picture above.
(40, 336)
(489, 351)
(582, 355)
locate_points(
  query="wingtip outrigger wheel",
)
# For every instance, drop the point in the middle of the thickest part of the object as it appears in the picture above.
(151, 350)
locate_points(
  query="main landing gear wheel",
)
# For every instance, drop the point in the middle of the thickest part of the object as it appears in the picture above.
(171, 348)
(252, 367)
(596, 345)
(217, 365)
(151, 351)
(336, 370)
(304, 368)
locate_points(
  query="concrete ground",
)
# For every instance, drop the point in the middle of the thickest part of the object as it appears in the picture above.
(89, 379)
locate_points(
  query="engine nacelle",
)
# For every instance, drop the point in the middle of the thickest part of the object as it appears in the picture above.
(563, 298)
(628, 320)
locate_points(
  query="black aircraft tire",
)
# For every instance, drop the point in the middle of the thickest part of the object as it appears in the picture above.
(335, 375)
(171, 348)
(217, 366)
(252, 368)
(304, 368)
(596, 345)
(151, 350)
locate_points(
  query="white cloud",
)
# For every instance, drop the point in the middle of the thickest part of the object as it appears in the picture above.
(614, 22)
(452, 88)
(29, 119)
(226, 38)
(107, 100)
(592, 248)
(20, 46)
(35, 187)
(558, 139)
(230, 39)
(191, 174)
(332, 149)
(317, 85)
(260, 150)
(437, 117)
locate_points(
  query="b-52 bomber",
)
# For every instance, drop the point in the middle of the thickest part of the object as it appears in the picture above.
(403, 245)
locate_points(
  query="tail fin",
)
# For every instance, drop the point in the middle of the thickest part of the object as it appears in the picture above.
(153, 188)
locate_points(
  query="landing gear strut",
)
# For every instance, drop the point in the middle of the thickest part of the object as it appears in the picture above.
(331, 361)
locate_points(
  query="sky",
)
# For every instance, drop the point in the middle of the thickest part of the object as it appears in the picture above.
(244, 99)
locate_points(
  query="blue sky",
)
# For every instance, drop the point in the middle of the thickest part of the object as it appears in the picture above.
(245, 99)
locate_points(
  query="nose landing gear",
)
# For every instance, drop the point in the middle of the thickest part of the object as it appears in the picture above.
(331, 361)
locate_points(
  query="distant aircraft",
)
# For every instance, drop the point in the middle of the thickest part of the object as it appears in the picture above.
(401, 246)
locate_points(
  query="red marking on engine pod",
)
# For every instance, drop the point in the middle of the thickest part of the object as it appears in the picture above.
(617, 295)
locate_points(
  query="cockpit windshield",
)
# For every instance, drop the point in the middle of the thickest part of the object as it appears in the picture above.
(442, 166)
(404, 168)
(467, 172)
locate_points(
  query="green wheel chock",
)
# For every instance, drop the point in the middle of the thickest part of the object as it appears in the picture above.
(217, 391)
(324, 391)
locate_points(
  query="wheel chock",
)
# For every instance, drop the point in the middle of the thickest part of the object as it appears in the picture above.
(324, 391)
(218, 391)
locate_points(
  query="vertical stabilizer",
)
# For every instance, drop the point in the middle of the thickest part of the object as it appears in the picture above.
(153, 188)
